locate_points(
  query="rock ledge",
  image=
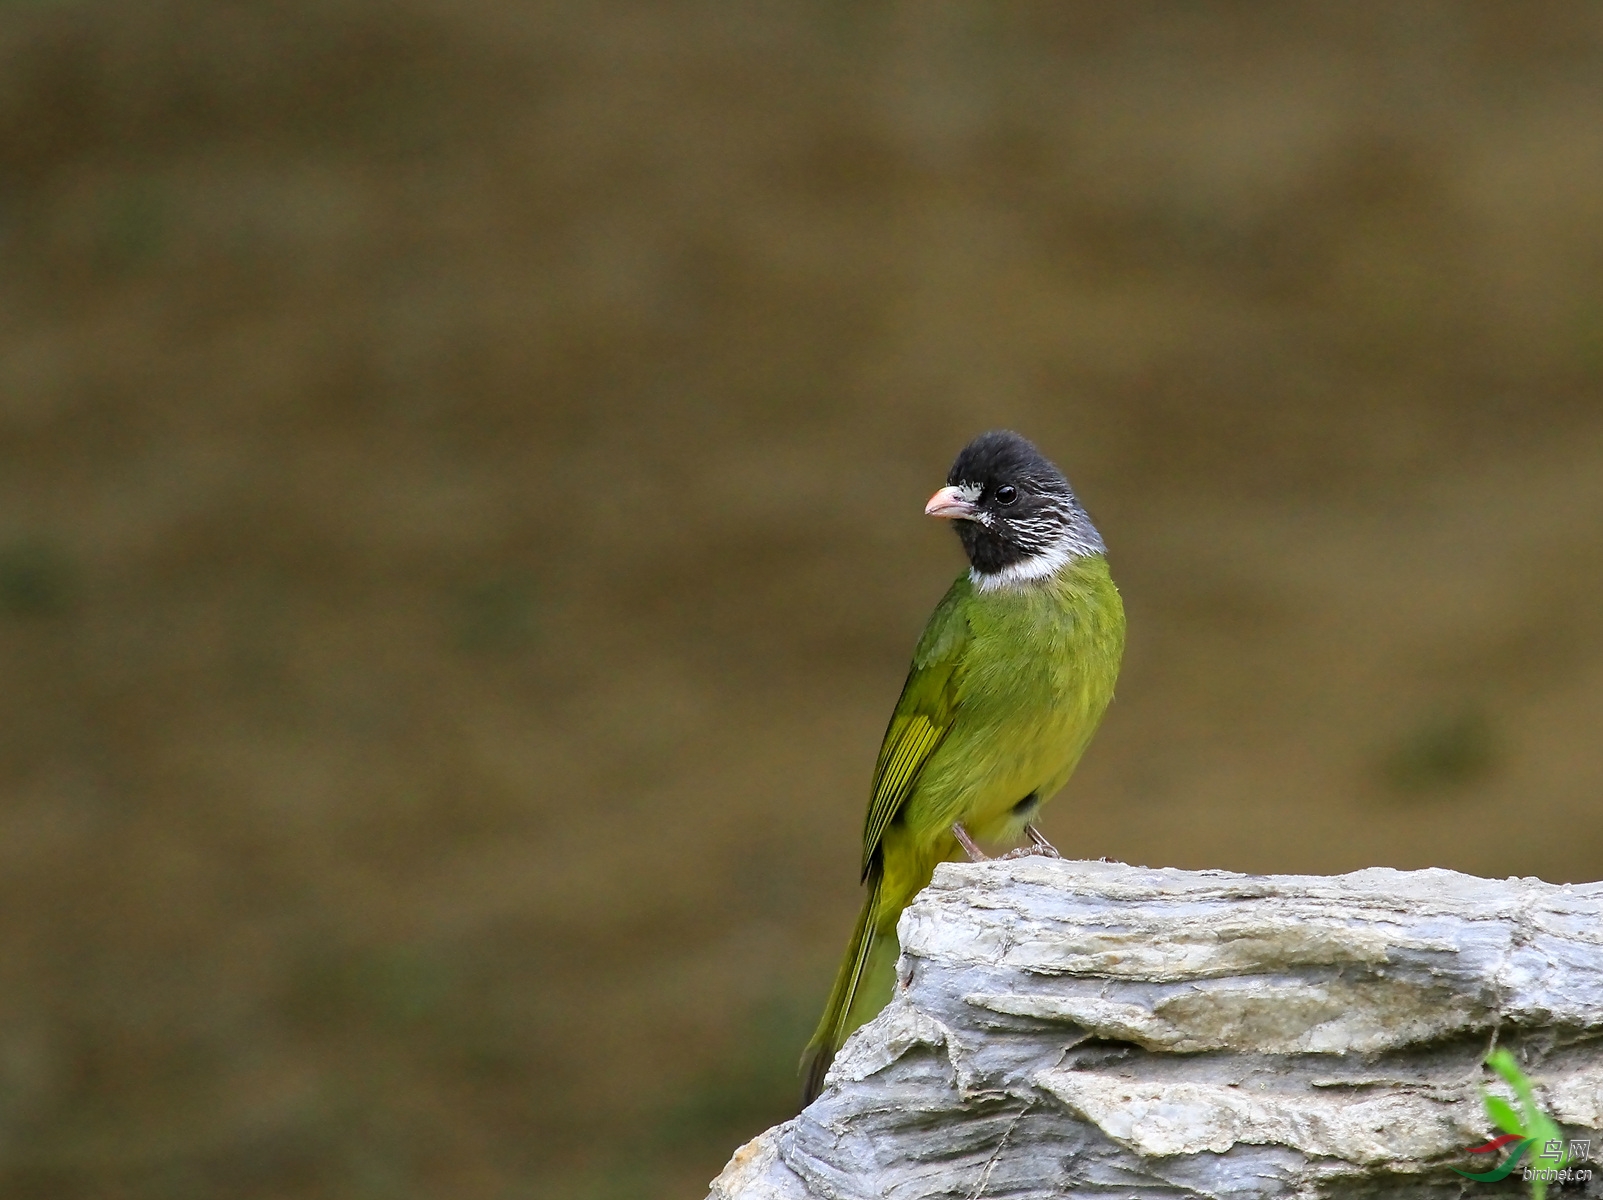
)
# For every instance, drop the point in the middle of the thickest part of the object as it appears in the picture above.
(1077, 1028)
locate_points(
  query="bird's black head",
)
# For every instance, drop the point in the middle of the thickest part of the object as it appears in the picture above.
(1014, 511)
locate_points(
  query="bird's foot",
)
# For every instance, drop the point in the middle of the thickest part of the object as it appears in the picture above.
(975, 854)
(1038, 845)
(1042, 846)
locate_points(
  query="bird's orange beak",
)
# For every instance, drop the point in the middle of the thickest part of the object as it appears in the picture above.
(949, 503)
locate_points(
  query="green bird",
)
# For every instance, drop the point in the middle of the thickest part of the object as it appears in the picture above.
(1009, 681)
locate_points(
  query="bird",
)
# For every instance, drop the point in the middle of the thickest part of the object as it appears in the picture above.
(1009, 681)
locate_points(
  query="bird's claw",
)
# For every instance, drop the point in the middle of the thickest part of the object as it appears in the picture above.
(1039, 844)
(1033, 852)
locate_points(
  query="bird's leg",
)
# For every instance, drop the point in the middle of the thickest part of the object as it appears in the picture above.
(975, 854)
(1042, 846)
(1038, 845)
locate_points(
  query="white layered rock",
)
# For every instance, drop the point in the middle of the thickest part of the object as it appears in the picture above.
(1084, 1028)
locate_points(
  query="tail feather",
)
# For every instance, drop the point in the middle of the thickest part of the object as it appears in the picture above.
(835, 1024)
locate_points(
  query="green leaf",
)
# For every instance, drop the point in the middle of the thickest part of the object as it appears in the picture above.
(1536, 1125)
(1503, 1115)
(1503, 1063)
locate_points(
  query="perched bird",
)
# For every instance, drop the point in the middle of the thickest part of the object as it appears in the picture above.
(1009, 681)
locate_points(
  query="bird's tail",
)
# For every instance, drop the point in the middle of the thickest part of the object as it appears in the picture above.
(864, 972)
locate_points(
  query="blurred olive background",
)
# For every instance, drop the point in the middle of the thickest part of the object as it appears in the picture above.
(461, 471)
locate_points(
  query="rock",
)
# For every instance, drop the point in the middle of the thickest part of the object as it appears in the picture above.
(1078, 1028)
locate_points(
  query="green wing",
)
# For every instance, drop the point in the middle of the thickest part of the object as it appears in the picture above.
(923, 715)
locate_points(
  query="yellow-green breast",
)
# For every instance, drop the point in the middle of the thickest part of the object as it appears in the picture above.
(1034, 676)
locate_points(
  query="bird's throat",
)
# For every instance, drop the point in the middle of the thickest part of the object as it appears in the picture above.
(1021, 572)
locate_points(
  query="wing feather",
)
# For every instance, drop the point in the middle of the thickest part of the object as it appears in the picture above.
(923, 715)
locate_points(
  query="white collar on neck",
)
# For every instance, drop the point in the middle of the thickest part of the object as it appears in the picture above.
(1042, 565)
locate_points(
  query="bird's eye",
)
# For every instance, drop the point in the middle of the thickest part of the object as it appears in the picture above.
(1006, 494)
